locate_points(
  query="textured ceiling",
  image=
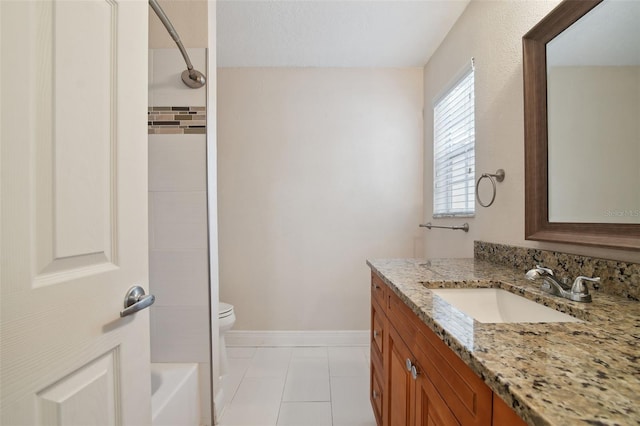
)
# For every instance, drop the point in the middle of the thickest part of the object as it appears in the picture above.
(326, 33)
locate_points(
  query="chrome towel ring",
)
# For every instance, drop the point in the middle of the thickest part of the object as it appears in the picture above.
(499, 176)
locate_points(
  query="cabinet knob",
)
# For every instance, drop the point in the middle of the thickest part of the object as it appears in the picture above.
(376, 333)
(409, 364)
(414, 372)
(375, 394)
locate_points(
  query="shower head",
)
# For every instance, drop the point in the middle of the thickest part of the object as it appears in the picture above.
(192, 78)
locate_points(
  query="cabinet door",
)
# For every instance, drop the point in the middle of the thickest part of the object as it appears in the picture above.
(466, 395)
(399, 385)
(430, 409)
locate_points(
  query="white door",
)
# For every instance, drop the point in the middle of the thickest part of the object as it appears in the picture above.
(73, 212)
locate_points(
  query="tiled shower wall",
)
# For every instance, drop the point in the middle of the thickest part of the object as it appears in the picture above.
(178, 254)
(181, 120)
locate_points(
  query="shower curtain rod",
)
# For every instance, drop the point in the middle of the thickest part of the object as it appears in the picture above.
(192, 78)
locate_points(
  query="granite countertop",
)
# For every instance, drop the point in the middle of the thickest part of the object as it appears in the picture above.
(549, 373)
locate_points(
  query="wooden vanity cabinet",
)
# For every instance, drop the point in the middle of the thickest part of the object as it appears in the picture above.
(503, 415)
(412, 398)
(417, 380)
(466, 395)
(398, 383)
(430, 408)
(378, 339)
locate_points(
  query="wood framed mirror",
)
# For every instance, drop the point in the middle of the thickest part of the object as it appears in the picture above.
(605, 230)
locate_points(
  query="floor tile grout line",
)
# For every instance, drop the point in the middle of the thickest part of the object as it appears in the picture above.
(330, 397)
(244, 373)
(290, 359)
(284, 385)
(237, 388)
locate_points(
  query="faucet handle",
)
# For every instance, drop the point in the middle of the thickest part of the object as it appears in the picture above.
(545, 269)
(580, 286)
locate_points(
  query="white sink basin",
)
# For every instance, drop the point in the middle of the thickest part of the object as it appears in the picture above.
(493, 305)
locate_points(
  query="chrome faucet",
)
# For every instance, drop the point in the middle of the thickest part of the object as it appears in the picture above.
(578, 292)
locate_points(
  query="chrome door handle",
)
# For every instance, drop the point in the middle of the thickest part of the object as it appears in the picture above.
(135, 300)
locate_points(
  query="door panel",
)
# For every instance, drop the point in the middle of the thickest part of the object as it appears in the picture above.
(84, 74)
(73, 212)
(75, 140)
(94, 385)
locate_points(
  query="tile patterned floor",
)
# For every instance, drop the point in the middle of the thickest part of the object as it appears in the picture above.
(297, 386)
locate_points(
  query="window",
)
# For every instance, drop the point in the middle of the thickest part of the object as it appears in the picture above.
(454, 149)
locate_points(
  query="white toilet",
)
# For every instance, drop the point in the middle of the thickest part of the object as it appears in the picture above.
(226, 319)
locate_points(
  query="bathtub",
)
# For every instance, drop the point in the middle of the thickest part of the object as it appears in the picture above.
(175, 399)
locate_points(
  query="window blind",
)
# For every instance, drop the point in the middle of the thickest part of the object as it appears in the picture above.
(454, 150)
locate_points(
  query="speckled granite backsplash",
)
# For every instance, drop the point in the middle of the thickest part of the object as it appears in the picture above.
(618, 278)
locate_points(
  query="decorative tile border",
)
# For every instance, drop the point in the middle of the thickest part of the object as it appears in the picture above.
(177, 120)
(618, 278)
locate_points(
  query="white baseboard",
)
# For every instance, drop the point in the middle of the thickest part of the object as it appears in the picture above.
(297, 338)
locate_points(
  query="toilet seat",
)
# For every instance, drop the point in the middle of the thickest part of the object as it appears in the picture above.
(225, 310)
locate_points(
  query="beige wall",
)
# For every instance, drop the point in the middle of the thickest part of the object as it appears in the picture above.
(189, 18)
(318, 169)
(490, 31)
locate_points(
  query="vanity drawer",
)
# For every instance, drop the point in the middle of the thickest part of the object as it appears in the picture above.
(401, 316)
(378, 290)
(377, 330)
